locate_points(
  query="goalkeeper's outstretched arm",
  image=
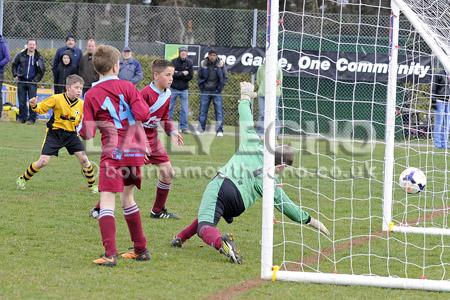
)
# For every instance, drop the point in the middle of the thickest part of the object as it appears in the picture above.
(249, 137)
(285, 205)
(247, 132)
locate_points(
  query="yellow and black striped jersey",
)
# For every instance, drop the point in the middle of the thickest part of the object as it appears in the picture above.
(67, 113)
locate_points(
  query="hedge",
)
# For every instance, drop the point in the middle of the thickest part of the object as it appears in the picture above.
(230, 93)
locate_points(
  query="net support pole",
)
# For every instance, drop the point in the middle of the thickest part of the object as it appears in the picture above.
(254, 37)
(1, 17)
(390, 117)
(127, 25)
(428, 36)
(271, 64)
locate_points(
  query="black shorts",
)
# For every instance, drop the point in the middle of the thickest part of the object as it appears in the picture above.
(229, 204)
(57, 139)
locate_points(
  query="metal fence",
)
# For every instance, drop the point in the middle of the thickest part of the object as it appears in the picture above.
(146, 29)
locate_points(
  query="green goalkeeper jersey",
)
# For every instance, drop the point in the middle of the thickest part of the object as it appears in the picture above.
(245, 169)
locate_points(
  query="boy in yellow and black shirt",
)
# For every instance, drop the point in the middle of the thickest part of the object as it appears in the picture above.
(62, 131)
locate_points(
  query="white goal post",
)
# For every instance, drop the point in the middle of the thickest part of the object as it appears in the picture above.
(442, 52)
(360, 65)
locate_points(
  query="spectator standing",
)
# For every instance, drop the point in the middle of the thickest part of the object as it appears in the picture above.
(180, 87)
(4, 59)
(188, 36)
(86, 69)
(130, 68)
(212, 78)
(441, 95)
(70, 46)
(65, 68)
(260, 80)
(28, 68)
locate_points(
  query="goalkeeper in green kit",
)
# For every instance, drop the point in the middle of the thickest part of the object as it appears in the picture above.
(239, 184)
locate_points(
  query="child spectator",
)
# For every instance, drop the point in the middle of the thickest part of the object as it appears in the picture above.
(64, 69)
(71, 46)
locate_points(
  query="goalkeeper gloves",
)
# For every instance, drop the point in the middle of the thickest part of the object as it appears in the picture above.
(319, 226)
(247, 91)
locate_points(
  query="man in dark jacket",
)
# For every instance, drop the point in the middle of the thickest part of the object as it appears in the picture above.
(28, 68)
(86, 68)
(4, 59)
(212, 77)
(180, 86)
(441, 95)
(70, 46)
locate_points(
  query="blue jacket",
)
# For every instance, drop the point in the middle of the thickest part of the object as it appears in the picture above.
(131, 70)
(4, 54)
(76, 56)
(221, 71)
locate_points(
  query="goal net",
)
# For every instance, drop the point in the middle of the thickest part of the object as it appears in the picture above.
(359, 107)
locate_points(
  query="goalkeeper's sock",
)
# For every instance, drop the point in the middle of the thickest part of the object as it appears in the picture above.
(107, 224)
(30, 171)
(162, 191)
(133, 218)
(189, 231)
(211, 236)
(89, 175)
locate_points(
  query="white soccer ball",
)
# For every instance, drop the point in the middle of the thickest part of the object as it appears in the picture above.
(412, 180)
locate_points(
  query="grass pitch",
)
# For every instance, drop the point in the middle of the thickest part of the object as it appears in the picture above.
(47, 240)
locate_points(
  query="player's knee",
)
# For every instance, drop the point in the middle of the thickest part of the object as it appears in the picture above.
(171, 172)
(128, 200)
(168, 173)
(42, 162)
(85, 161)
(199, 228)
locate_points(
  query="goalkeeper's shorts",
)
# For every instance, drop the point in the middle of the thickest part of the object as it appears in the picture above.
(221, 198)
